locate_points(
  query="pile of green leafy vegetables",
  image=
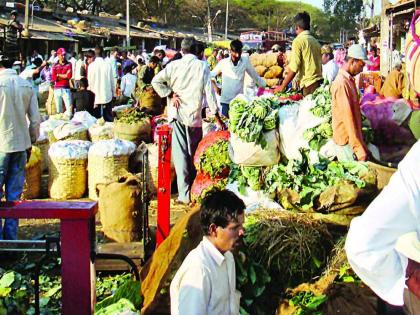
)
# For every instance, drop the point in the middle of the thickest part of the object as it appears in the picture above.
(249, 120)
(306, 179)
(310, 180)
(319, 135)
(17, 291)
(215, 160)
(132, 115)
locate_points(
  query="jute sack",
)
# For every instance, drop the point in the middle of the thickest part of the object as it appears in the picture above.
(151, 102)
(136, 132)
(32, 184)
(120, 209)
(251, 154)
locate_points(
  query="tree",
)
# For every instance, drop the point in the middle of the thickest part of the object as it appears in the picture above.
(344, 14)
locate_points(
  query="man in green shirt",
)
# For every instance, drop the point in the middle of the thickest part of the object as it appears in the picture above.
(306, 57)
(212, 60)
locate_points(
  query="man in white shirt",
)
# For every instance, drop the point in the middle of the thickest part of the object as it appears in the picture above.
(19, 128)
(372, 238)
(101, 82)
(53, 58)
(114, 64)
(79, 69)
(329, 66)
(186, 81)
(128, 83)
(233, 71)
(205, 284)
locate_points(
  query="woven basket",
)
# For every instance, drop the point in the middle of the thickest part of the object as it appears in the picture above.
(68, 178)
(32, 184)
(96, 138)
(80, 135)
(44, 145)
(104, 170)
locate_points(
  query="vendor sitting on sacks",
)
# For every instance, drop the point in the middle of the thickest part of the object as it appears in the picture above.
(205, 283)
(305, 59)
(346, 116)
(394, 83)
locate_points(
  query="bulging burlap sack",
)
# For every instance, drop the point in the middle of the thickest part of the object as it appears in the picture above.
(120, 209)
(136, 132)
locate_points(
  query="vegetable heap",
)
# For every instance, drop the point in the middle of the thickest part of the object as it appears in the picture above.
(306, 180)
(319, 135)
(131, 115)
(249, 120)
(212, 156)
(310, 180)
(289, 95)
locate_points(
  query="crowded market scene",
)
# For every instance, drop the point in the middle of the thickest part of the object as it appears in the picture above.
(215, 157)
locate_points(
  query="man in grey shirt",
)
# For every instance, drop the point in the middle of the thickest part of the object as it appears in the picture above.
(186, 81)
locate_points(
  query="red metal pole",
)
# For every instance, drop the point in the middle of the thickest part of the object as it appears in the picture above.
(164, 183)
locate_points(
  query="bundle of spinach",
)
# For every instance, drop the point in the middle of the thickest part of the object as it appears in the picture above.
(249, 120)
(310, 180)
(307, 303)
(319, 135)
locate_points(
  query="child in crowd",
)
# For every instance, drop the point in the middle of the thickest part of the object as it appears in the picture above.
(84, 99)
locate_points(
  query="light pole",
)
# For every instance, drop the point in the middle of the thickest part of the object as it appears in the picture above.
(128, 23)
(25, 32)
(227, 19)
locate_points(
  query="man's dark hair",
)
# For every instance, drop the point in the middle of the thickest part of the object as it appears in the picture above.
(37, 62)
(197, 49)
(5, 61)
(90, 54)
(99, 51)
(374, 49)
(114, 49)
(303, 21)
(128, 69)
(220, 208)
(236, 45)
(154, 59)
(83, 83)
(161, 51)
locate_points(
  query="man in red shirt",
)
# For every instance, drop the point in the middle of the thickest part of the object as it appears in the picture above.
(61, 75)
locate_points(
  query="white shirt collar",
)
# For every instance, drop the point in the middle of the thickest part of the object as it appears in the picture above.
(217, 256)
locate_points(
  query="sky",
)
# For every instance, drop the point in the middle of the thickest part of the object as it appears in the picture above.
(319, 4)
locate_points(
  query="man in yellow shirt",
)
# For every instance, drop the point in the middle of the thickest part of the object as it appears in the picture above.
(211, 60)
(306, 57)
(394, 83)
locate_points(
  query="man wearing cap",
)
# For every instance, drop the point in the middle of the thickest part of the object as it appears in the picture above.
(329, 66)
(186, 81)
(346, 116)
(19, 129)
(383, 245)
(61, 75)
(13, 33)
(305, 59)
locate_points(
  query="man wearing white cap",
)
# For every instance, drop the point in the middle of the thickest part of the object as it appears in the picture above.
(346, 116)
(382, 245)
